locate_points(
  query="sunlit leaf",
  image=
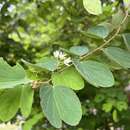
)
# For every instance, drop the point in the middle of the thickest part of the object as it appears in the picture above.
(69, 78)
(27, 94)
(14, 98)
(9, 103)
(115, 116)
(107, 107)
(93, 7)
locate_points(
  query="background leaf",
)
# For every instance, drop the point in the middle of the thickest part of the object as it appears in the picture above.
(79, 50)
(32, 121)
(93, 7)
(126, 37)
(120, 56)
(114, 115)
(98, 32)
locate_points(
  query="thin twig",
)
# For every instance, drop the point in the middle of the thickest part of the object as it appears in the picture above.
(106, 42)
(103, 45)
(36, 84)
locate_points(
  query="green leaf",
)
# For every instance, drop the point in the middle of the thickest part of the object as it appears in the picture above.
(115, 116)
(69, 78)
(26, 100)
(60, 104)
(79, 50)
(11, 76)
(126, 37)
(13, 99)
(46, 63)
(98, 32)
(121, 105)
(93, 7)
(95, 73)
(117, 18)
(120, 56)
(31, 122)
(107, 107)
(9, 103)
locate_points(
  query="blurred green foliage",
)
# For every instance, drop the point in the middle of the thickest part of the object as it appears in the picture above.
(33, 29)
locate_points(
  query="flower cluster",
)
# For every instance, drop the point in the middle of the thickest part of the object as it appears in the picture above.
(63, 57)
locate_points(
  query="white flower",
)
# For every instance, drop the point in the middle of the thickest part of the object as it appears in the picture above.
(67, 61)
(113, 8)
(111, 128)
(11, 8)
(13, 126)
(127, 88)
(59, 54)
(104, 5)
(120, 128)
(113, 0)
(9, 126)
(56, 54)
(87, 101)
(1, 5)
(63, 57)
(93, 111)
(2, 125)
(20, 118)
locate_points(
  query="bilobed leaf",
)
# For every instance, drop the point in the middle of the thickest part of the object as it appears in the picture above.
(93, 7)
(27, 94)
(11, 76)
(14, 98)
(79, 50)
(69, 78)
(95, 73)
(120, 56)
(98, 32)
(9, 103)
(46, 63)
(60, 104)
